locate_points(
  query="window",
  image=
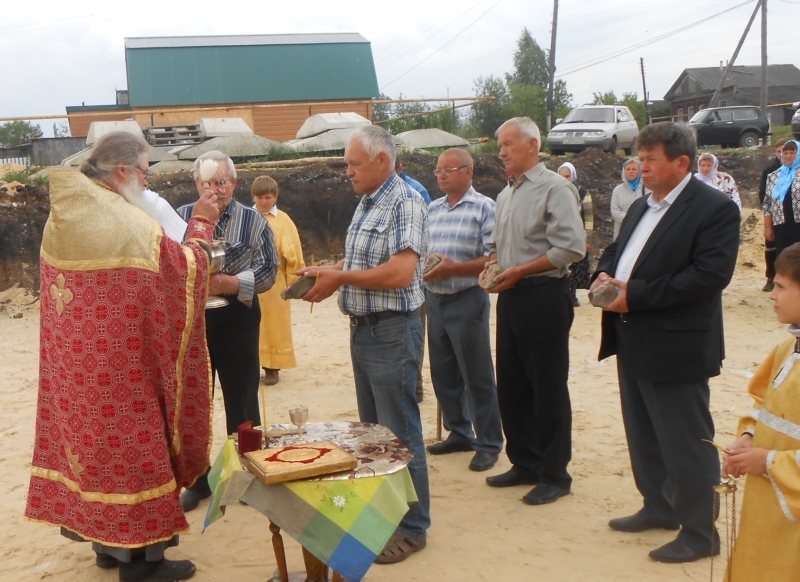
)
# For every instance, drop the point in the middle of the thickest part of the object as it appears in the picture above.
(745, 114)
(701, 107)
(680, 113)
(690, 111)
(722, 115)
(722, 103)
(622, 116)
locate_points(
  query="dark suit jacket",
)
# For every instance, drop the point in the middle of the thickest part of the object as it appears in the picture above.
(673, 332)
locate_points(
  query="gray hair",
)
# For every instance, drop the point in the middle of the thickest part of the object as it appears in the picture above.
(376, 140)
(464, 159)
(114, 149)
(678, 139)
(214, 155)
(527, 129)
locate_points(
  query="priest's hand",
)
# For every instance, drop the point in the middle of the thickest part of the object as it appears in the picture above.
(741, 444)
(206, 206)
(222, 284)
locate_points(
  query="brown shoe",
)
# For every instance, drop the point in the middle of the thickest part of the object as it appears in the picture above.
(270, 377)
(398, 548)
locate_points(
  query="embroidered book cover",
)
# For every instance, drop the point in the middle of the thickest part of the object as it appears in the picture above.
(298, 461)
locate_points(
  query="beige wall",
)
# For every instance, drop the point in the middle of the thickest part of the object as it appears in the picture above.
(279, 122)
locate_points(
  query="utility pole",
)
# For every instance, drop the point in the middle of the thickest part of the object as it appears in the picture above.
(552, 66)
(645, 97)
(764, 57)
(736, 53)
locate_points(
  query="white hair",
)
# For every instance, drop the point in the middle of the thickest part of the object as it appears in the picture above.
(214, 155)
(376, 140)
(527, 129)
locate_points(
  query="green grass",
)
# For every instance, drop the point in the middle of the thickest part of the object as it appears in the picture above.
(780, 132)
(20, 177)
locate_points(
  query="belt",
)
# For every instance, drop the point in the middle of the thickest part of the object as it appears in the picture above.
(374, 318)
(535, 281)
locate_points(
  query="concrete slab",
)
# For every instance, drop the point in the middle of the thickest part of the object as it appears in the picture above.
(172, 166)
(235, 146)
(45, 172)
(322, 122)
(99, 128)
(219, 126)
(430, 138)
(333, 140)
(154, 155)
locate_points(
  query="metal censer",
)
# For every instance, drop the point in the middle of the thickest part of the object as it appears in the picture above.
(216, 256)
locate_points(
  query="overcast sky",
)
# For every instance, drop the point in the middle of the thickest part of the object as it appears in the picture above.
(54, 54)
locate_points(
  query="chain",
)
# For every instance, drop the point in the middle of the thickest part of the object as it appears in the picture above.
(725, 488)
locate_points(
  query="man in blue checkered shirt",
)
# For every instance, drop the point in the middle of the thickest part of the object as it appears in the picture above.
(381, 291)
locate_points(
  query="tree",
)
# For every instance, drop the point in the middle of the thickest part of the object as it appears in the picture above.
(607, 98)
(16, 132)
(638, 108)
(487, 117)
(530, 63)
(381, 111)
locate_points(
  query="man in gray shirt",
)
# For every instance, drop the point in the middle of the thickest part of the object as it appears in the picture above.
(538, 235)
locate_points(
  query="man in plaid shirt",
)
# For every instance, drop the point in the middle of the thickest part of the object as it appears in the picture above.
(381, 291)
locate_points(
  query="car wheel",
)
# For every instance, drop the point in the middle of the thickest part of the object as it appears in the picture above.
(556, 152)
(748, 140)
(629, 150)
(612, 148)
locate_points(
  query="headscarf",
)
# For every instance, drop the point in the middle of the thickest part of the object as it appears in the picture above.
(635, 184)
(710, 179)
(786, 175)
(572, 172)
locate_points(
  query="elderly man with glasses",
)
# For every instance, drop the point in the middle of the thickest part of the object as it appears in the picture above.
(251, 264)
(461, 224)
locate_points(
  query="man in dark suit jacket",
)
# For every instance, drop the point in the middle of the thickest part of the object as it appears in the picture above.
(675, 253)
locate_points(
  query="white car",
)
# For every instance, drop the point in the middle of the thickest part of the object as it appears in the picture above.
(608, 127)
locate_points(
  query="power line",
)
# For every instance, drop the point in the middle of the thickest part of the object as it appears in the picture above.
(444, 45)
(632, 48)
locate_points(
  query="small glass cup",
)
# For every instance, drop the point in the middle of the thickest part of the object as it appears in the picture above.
(298, 416)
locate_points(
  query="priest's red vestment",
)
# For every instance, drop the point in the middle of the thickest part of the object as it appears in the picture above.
(123, 415)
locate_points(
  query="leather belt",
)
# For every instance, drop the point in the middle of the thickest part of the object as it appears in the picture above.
(374, 318)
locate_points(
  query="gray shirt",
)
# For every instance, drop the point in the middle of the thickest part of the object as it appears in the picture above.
(539, 215)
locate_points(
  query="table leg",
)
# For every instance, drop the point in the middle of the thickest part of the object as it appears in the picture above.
(316, 570)
(280, 552)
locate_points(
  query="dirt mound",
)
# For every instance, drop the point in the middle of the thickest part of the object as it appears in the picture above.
(23, 212)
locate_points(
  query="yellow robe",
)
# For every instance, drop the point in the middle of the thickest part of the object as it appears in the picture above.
(276, 349)
(768, 545)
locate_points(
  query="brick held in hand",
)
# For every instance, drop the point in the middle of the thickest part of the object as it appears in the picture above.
(604, 295)
(431, 262)
(299, 288)
(492, 271)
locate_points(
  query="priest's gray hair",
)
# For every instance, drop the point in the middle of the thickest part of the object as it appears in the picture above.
(114, 149)
(527, 129)
(214, 155)
(376, 140)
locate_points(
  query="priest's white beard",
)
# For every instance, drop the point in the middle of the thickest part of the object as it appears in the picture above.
(156, 207)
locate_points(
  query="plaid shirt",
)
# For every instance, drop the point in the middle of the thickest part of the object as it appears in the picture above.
(391, 220)
(250, 250)
(462, 233)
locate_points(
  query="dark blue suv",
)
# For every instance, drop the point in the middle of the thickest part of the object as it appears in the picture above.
(741, 126)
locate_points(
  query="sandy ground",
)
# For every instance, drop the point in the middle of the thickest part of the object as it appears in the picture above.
(478, 533)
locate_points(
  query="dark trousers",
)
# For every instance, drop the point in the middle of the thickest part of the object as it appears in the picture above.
(769, 258)
(232, 337)
(674, 470)
(533, 323)
(461, 367)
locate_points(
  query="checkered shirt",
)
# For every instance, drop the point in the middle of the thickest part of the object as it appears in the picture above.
(391, 220)
(461, 233)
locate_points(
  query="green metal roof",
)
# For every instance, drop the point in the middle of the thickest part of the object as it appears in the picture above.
(211, 70)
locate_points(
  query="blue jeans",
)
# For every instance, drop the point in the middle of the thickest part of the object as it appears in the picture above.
(386, 357)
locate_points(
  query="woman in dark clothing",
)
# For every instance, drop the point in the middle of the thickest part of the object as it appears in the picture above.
(579, 272)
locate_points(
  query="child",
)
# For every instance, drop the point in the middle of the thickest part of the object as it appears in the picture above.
(276, 350)
(767, 450)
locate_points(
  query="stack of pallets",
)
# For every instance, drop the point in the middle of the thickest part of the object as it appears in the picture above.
(174, 135)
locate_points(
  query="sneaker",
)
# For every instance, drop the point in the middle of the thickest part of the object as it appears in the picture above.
(768, 286)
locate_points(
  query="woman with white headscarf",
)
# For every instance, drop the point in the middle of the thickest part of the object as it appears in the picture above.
(707, 172)
(579, 272)
(626, 193)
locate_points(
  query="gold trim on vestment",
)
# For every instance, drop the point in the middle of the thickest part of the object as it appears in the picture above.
(91, 227)
(105, 543)
(94, 497)
(191, 264)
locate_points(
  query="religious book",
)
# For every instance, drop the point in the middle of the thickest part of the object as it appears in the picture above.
(298, 461)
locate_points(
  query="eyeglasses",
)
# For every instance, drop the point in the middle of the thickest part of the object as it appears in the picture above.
(220, 183)
(447, 171)
(145, 173)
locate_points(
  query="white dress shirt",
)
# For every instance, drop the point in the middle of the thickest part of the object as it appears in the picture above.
(641, 233)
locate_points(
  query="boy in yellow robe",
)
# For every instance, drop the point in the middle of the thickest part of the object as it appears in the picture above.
(276, 350)
(768, 450)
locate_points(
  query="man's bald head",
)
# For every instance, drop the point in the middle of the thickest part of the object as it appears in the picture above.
(454, 173)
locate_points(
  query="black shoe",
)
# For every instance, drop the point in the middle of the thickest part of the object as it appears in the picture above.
(677, 552)
(420, 395)
(511, 478)
(190, 499)
(452, 444)
(138, 570)
(640, 521)
(544, 493)
(575, 302)
(482, 461)
(105, 561)
(768, 286)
